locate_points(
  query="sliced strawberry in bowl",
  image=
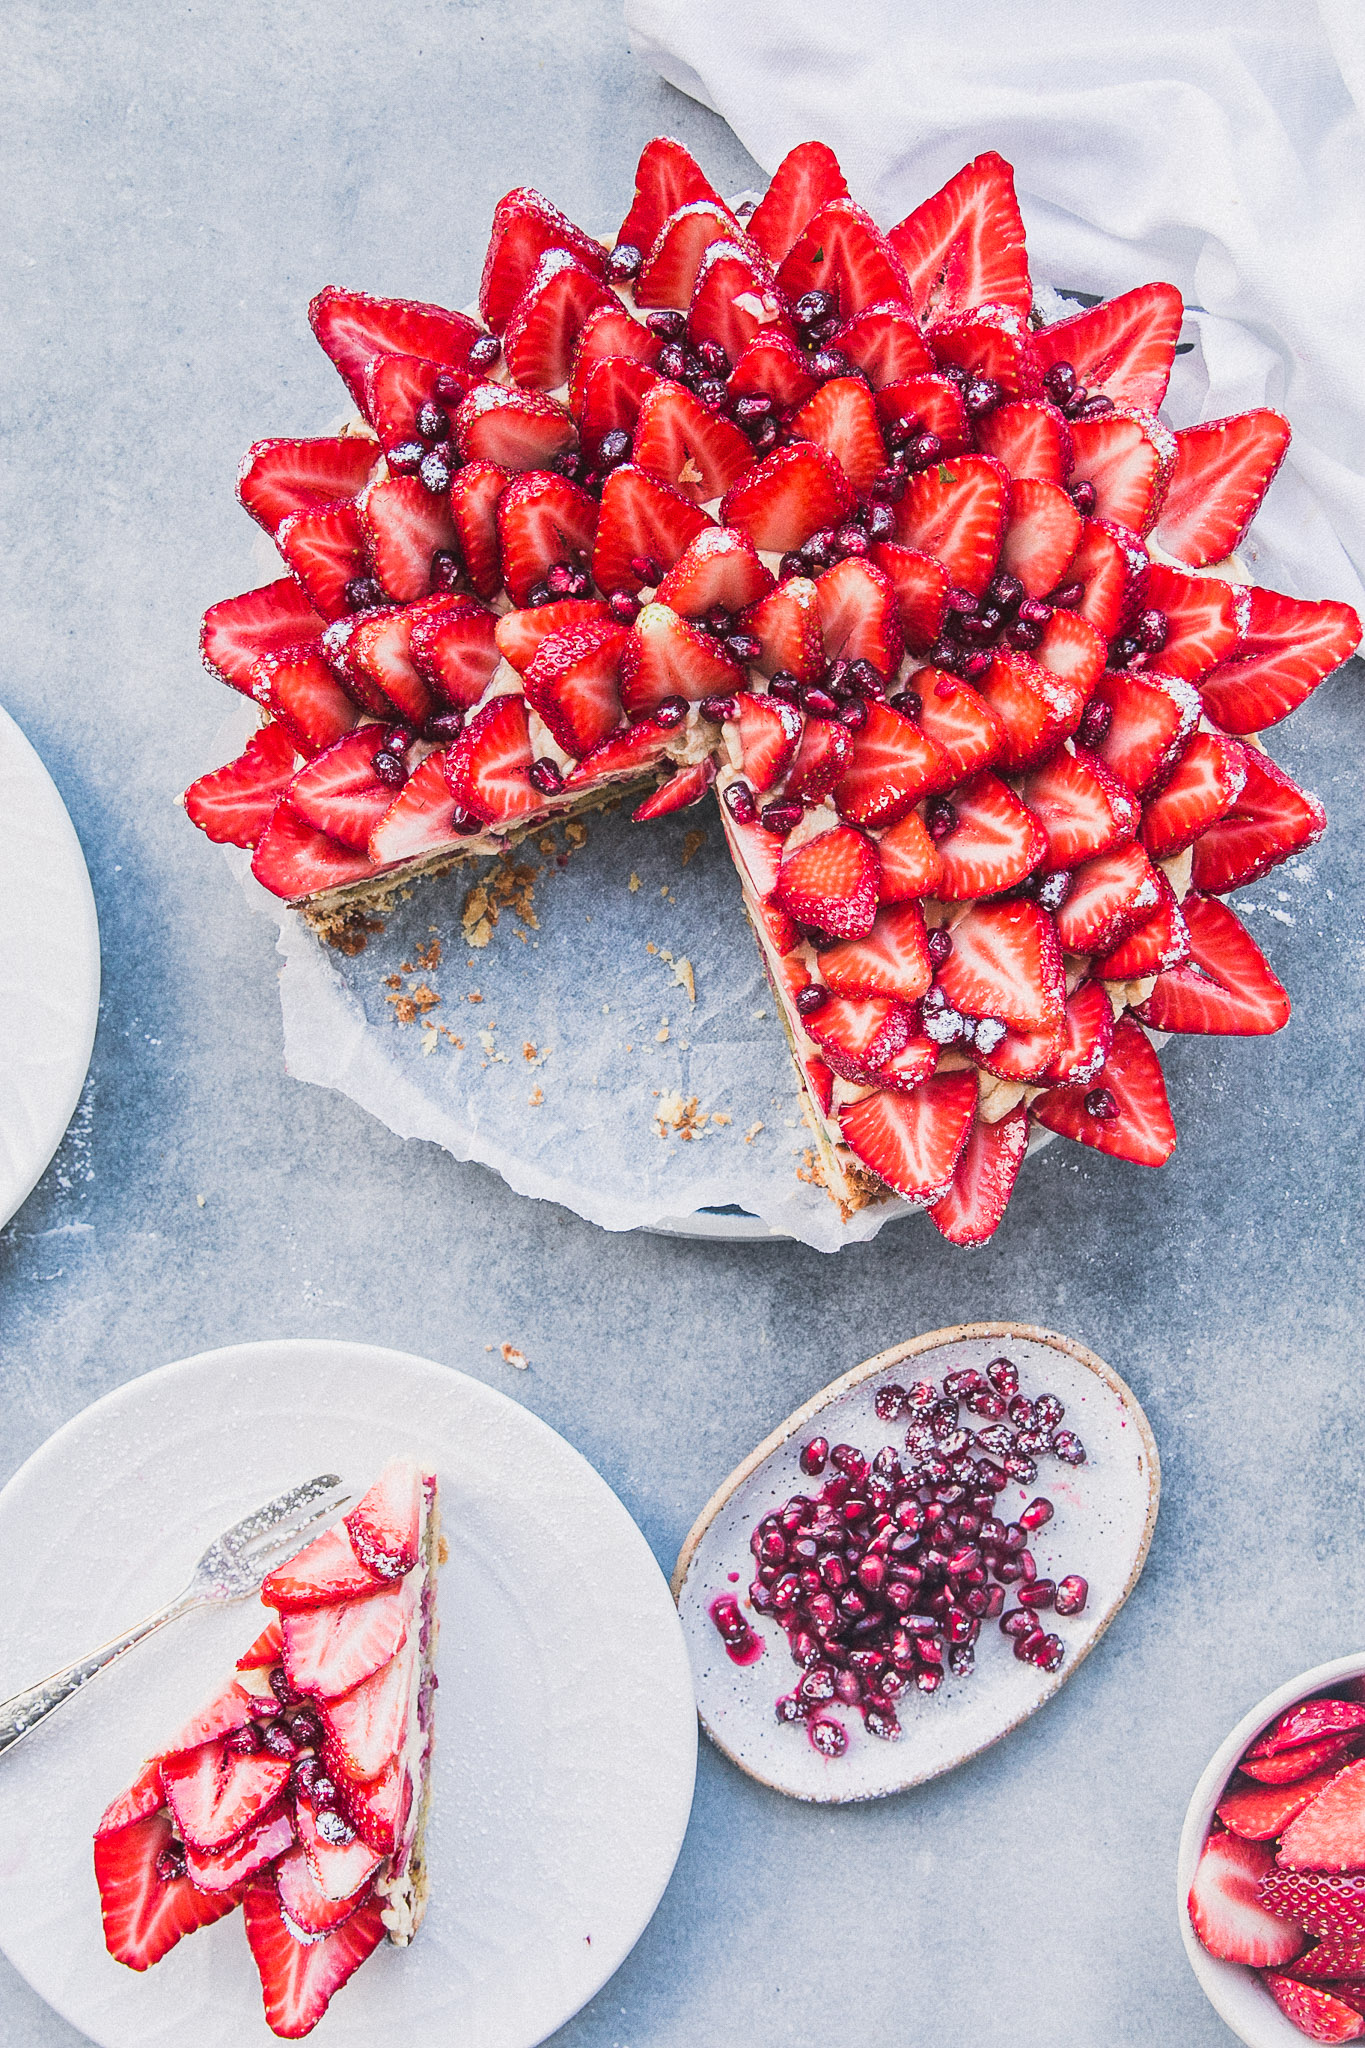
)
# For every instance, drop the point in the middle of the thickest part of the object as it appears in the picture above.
(642, 528)
(983, 1179)
(1329, 1834)
(545, 323)
(791, 494)
(830, 883)
(1284, 650)
(687, 446)
(1310, 1721)
(544, 522)
(964, 247)
(1082, 806)
(1006, 963)
(214, 1792)
(354, 328)
(956, 512)
(1207, 781)
(842, 419)
(340, 791)
(1314, 2010)
(893, 764)
(807, 178)
(1223, 470)
(1087, 1035)
(664, 656)
(913, 1139)
(1271, 819)
(719, 569)
(233, 804)
(1127, 457)
(1259, 1813)
(145, 1913)
(769, 733)
(1124, 1112)
(572, 684)
(987, 840)
(857, 1035)
(524, 226)
(1121, 349)
(489, 767)
(893, 960)
(1225, 985)
(1225, 1907)
(280, 477)
(299, 1976)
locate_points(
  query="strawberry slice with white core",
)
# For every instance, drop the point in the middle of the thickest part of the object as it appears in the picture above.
(788, 628)
(857, 1035)
(1225, 1908)
(893, 960)
(572, 684)
(734, 300)
(642, 528)
(279, 477)
(886, 344)
(1006, 963)
(1127, 457)
(264, 1653)
(956, 512)
(794, 492)
(385, 1525)
(807, 178)
(1314, 2011)
(1293, 1764)
(920, 586)
(987, 840)
(860, 615)
(679, 793)
(1109, 897)
(1201, 619)
(396, 390)
(214, 1793)
(539, 340)
(354, 328)
(1030, 437)
(842, 250)
(422, 817)
(326, 1570)
(474, 494)
(769, 731)
(1036, 708)
(308, 1907)
(687, 446)
(930, 404)
(1329, 1834)
(1332, 1908)
(1270, 820)
(379, 651)
(519, 634)
(515, 429)
(772, 366)
(300, 690)
(1258, 1813)
(238, 631)
(228, 1710)
(544, 521)
(145, 1914)
(339, 790)
(667, 177)
(1160, 941)
(1087, 1035)
(964, 247)
(720, 569)
(324, 547)
(524, 226)
(913, 1140)
(1121, 349)
(612, 396)
(1042, 533)
(893, 764)
(842, 419)
(991, 342)
(293, 859)
(328, 1650)
(1208, 779)
(406, 527)
(1223, 470)
(340, 1860)
(1124, 1112)
(1081, 805)
(669, 271)
(910, 863)
(1151, 719)
(227, 1869)
(378, 1808)
(299, 1977)
(489, 767)
(983, 1179)
(1225, 985)
(454, 648)
(233, 804)
(1108, 565)
(626, 756)
(610, 331)
(665, 656)
(960, 722)
(822, 758)
(830, 883)
(1015, 1055)
(1285, 649)
(1073, 651)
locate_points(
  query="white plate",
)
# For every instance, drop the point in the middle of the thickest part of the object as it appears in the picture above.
(49, 969)
(565, 1725)
(1105, 1513)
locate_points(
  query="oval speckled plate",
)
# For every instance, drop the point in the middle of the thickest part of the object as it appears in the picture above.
(1105, 1513)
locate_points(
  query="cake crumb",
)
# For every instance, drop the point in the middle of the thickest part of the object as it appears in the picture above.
(473, 995)
(680, 1113)
(693, 842)
(511, 1356)
(752, 1133)
(661, 1035)
(576, 834)
(404, 1009)
(810, 1170)
(393, 981)
(429, 956)
(548, 844)
(536, 1097)
(683, 975)
(535, 1055)
(721, 1116)
(650, 946)
(634, 883)
(689, 473)
(352, 933)
(431, 1038)
(486, 1041)
(201, 1199)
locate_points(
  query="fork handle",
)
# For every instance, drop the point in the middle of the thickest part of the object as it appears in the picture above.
(22, 1713)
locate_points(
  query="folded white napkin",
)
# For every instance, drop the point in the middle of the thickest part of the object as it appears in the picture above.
(1217, 144)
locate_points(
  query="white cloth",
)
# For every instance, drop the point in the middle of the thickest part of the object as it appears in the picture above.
(1218, 144)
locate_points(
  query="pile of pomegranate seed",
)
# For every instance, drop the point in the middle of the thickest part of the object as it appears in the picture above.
(884, 1578)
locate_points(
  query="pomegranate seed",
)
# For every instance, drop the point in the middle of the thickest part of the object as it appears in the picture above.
(1068, 1448)
(739, 802)
(850, 1461)
(1050, 1653)
(928, 1680)
(671, 713)
(790, 1709)
(241, 1742)
(1021, 1412)
(406, 457)
(170, 1863)
(1026, 1647)
(485, 352)
(333, 1828)
(1003, 1376)
(1017, 1622)
(1085, 498)
(941, 818)
(828, 1737)
(1096, 720)
(719, 709)
(645, 568)
(1041, 1593)
(814, 1456)
(781, 818)
(1072, 1593)
(545, 775)
(1037, 1514)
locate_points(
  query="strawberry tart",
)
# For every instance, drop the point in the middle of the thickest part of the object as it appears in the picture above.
(832, 523)
(300, 1791)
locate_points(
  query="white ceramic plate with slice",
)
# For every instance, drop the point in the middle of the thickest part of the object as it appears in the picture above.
(563, 1770)
(49, 969)
(1105, 1512)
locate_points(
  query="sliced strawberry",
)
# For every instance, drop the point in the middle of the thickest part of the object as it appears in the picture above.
(1109, 563)
(422, 817)
(1285, 649)
(679, 793)
(913, 1140)
(610, 331)
(1271, 820)
(667, 177)
(339, 792)
(664, 656)
(143, 1798)
(859, 615)
(303, 1899)
(1344, 1960)
(474, 494)
(293, 859)
(1201, 619)
(960, 722)
(956, 512)
(396, 389)
(378, 653)
(1006, 963)
(454, 648)
(910, 863)
(1042, 533)
(214, 1793)
(524, 227)
(365, 1731)
(280, 477)
(612, 395)
(572, 684)
(227, 1711)
(1030, 437)
(233, 804)
(933, 404)
(774, 367)
(858, 1035)
(830, 883)
(720, 568)
(964, 247)
(515, 429)
(993, 843)
(1072, 650)
(822, 758)
(734, 300)
(302, 692)
(378, 1808)
(354, 328)
(543, 520)
(769, 732)
(326, 1570)
(915, 1062)
(386, 1523)
(1160, 941)
(265, 1651)
(1223, 470)
(893, 765)
(626, 756)
(1036, 708)
(341, 1870)
(1329, 1834)
(886, 344)
(1019, 1055)
(488, 768)
(920, 585)
(807, 178)
(298, 1978)
(1310, 1720)
(1152, 719)
(842, 419)
(1333, 1908)
(983, 1179)
(757, 855)
(1206, 783)
(406, 527)
(1110, 896)
(239, 630)
(991, 341)
(643, 522)
(324, 547)
(227, 1870)
(1314, 2011)
(821, 1083)
(1293, 1764)
(328, 1650)
(560, 293)
(789, 630)
(784, 934)
(145, 1915)
(893, 960)
(792, 493)
(1121, 349)
(1258, 1813)
(1142, 1131)
(1087, 1036)
(1128, 456)
(1081, 805)
(1225, 1908)
(842, 250)
(518, 635)
(669, 270)
(697, 452)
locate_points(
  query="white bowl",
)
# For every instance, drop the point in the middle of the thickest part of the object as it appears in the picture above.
(1236, 1992)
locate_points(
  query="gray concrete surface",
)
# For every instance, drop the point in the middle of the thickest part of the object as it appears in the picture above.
(179, 180)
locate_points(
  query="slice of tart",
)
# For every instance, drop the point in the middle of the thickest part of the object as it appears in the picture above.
(835, 523)
(300, 1791)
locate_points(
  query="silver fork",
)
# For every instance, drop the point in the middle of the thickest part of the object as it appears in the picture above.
(232, 1566)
